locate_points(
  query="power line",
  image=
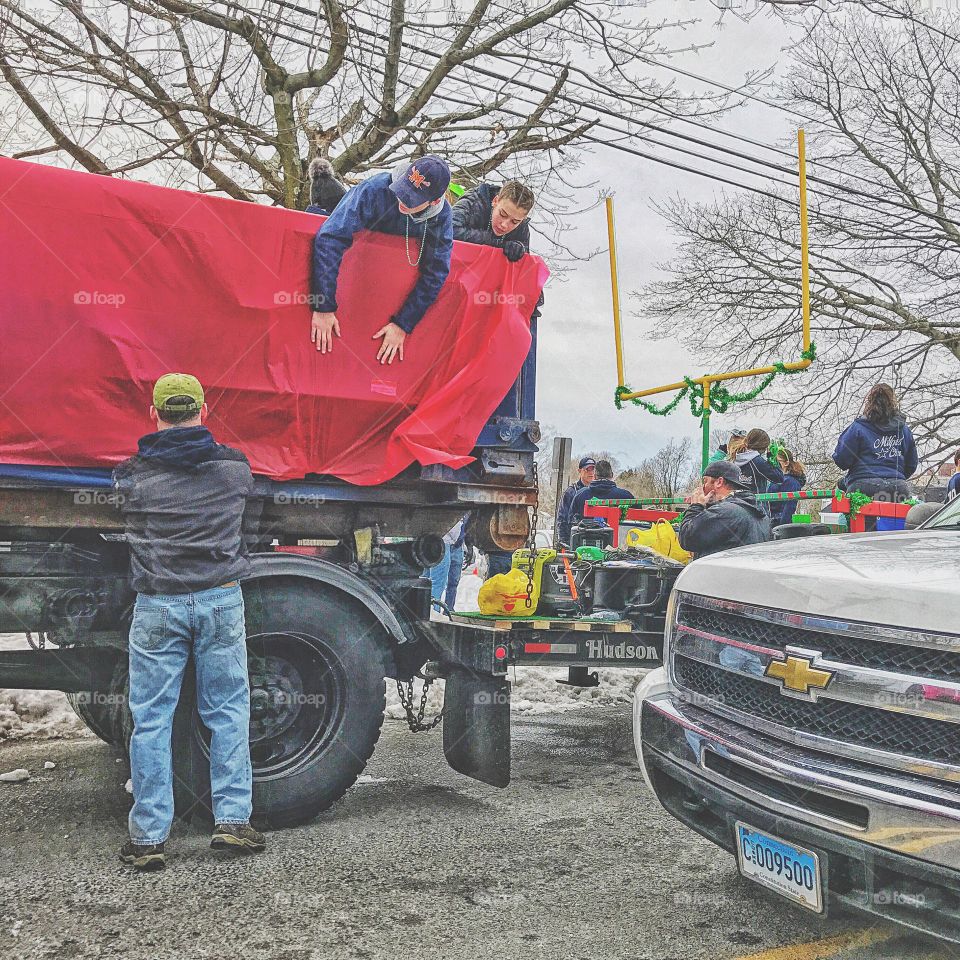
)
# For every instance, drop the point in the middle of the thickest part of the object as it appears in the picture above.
(605, 143)
(707, 80)
(604, 110)
(523, 116)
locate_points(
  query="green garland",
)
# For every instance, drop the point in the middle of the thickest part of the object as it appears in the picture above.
(721, 399)
(857, 500)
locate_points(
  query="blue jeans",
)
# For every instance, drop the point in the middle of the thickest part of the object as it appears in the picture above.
(445, 576)
(499, 561)
(165, 629)
(438, 575)
(453, 575)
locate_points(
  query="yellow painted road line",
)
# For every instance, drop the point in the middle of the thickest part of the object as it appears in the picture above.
(825, 948)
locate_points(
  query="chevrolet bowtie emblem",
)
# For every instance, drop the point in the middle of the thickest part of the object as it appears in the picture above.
(797, 675)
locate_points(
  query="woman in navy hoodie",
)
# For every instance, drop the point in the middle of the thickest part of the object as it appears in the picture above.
(877, 450)
(758, 471)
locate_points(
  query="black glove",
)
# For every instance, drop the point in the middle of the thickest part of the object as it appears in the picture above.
(513, 250)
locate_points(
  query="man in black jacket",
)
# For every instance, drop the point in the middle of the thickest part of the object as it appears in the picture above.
(495, 217)
(498, 218)
(587, 470)
(724, 515)
(185, 500)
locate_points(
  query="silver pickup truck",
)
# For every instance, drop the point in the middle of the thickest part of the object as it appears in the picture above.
(807, 718)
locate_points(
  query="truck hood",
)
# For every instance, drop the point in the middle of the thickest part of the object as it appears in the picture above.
(903, 579)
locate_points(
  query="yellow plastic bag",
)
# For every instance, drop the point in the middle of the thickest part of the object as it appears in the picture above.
(662, 538)
(505, 594)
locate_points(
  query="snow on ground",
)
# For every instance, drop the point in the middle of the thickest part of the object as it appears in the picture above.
(39, 714)
(46, 714)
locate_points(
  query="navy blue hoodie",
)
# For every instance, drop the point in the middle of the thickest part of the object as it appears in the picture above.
(872, 451)
(783, 511)
(599, 489)
(372, 205)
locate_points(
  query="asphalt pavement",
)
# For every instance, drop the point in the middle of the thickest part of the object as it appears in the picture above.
(574, 860)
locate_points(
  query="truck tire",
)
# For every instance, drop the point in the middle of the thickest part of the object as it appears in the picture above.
(317, 662)
(96, 718)
(109, 717)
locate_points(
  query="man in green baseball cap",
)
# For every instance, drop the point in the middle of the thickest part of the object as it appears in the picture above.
(178, 397)
(186, 502)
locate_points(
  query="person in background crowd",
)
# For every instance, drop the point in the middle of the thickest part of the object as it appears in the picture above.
(794, 479)
(498, 561)
(455, 192)
(602, 487)
(409, 202)
(754, 465)
(722, 514)
(326, 190)
(721, 453)
(587, 471)
(953, 484)
(445, 576)
(735, 445)
(878, 450)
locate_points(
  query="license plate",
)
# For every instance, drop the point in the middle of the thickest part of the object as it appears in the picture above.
(791, 871)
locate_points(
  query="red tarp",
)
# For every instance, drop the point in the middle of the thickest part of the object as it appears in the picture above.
(106, 284)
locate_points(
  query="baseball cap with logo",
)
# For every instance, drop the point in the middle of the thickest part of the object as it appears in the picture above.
(178, 393)
(422, 181)
(587, 462)
(725, 470)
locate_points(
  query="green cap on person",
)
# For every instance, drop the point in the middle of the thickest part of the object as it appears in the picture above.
(178, 393)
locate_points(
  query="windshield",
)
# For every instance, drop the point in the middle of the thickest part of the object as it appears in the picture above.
(949, 516)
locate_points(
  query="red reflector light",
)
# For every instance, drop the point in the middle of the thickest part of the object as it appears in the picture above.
(500, 653)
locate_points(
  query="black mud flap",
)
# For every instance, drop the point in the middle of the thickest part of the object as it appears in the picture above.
(476, 726)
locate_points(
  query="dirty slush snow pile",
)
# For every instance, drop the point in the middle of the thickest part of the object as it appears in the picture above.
(42, 714)
(46, 714)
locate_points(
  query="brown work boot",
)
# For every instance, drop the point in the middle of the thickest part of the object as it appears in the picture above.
(143, 856)
(237, 837)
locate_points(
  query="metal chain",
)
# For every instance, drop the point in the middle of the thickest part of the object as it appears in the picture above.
(415, 718)
(532, 538)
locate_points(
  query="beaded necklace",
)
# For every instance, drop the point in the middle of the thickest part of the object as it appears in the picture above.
(423, 243)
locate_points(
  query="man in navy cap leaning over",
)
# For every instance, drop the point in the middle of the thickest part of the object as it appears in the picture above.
(409, 202)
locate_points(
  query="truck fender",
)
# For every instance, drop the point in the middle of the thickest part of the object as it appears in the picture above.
(334, 575)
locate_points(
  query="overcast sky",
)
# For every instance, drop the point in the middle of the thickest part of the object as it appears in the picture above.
(577, 365)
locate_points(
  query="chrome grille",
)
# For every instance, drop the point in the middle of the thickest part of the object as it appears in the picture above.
(870, 692)
(859, 650)
(878, 729)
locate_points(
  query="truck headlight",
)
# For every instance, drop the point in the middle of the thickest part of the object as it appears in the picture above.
(673, 605)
